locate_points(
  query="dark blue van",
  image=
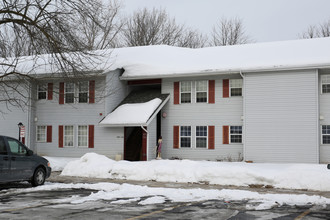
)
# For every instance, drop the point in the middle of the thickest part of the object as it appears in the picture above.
(18, 163)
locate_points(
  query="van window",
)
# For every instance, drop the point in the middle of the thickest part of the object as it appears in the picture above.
(16, 147)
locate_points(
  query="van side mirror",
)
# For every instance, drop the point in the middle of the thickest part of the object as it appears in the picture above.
(29, 152)
(328, 166)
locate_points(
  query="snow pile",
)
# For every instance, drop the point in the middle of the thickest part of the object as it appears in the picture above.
(58, 163)
(137, 113)
(127, 193)
(288, 176)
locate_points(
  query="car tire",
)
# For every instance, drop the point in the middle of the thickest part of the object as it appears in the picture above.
(39, 177)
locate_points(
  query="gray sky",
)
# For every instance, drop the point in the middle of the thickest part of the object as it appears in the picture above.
(264, 20)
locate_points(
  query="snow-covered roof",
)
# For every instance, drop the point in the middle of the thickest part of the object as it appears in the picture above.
(167, 61)
(160, 61)
(136, 114)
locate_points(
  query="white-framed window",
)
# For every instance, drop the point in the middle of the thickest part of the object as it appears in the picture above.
(41, 133)
(42, 91)
(68, 135)
(69, 92)
(325, 80)
(201, 91)
(82, 136)
(185, 136)
(235, 134)
(325, 134)
(83, 92)
(185, 92)
(201, 136)
(235, 87)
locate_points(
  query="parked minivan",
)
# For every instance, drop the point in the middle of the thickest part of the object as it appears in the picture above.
(19, 163)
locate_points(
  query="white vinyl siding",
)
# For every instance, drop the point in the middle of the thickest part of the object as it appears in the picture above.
(281, 117)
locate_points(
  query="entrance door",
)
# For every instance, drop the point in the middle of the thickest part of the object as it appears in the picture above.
(135, 144)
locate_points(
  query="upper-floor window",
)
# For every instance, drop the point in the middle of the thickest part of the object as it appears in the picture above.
(83, 92)
(325, 134)
(201, 91)
(42, 91)
(185, 136)
(82, 136)
(201, 136)
(235, 134)
(68, 135)
(325, 83)
(69, 92)
(185, 92)
(235, 87)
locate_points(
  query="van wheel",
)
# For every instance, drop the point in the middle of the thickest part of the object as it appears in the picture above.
(39, 177)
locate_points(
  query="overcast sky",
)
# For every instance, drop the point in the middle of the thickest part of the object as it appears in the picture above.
(264, 20)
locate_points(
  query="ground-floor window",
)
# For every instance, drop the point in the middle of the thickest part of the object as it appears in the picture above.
(185, 136)
(68, 135)
(82, 136)
(41, 133)
(235, 134)
(325, 134)
(201, 136)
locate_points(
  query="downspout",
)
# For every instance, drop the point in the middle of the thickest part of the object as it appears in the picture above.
(244, 121)
(147, 141)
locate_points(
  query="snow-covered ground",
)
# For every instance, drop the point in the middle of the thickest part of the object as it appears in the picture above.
(287, 176)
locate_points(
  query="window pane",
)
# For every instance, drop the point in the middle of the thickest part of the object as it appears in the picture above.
(201, 142)
(236, 91)
(236, 129)
(326, 139)
(69, 98)
(185, 142)
(236, 83)
(201, 97)
(201, 86)
(83, 92)
(69, 87)
(236, 138)
(42, 91)
(82, 135)
(83, 97)
(185, 97)
(185, 86)
(326, 88)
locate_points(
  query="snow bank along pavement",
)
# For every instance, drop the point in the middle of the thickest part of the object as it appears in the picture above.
(286, 176)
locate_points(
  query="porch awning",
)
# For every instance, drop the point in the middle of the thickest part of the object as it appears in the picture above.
(134, 114)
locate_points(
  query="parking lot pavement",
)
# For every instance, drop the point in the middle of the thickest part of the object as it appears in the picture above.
(57, 178)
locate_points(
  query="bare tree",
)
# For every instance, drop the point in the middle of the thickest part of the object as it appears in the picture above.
(154, 27)
(229, 32)
(100, 29)
(42, 30)
(315, 31)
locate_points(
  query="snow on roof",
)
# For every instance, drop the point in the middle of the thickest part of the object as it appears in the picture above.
(132, 114)
(161, 61)
(167, 61)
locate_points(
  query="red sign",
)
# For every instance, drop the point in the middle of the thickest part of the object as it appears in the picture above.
(22, 131)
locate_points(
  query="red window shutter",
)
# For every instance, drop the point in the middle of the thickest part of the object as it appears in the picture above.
(176, 93)
(211, 91)
(90, 136)
(92, 91)
(225, 134)
(50, 91)
(49, 133)
(60, 136)
(61, 99)
(175, 136)
(225, 88)
(211, 138)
